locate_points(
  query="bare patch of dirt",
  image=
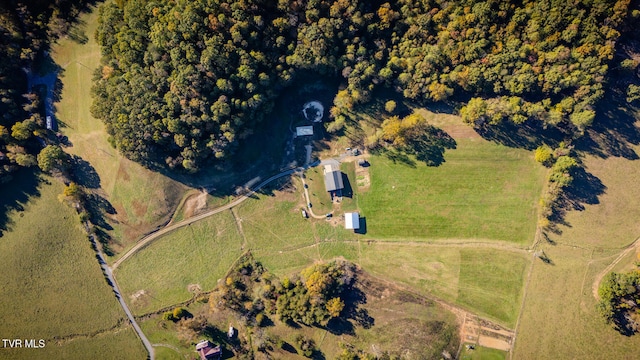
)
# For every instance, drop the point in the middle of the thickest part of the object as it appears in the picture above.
(140, 298)
(194, 204)
(194, 288)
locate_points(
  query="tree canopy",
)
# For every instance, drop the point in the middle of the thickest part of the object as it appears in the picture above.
(185, 81)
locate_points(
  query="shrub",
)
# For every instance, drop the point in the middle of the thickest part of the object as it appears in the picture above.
(390, 106)
(544, 155)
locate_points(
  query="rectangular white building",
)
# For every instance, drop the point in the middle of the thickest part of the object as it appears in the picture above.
(304, 130)
(352, 221)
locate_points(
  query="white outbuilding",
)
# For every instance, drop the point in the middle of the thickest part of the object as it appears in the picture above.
(352, 221)
(304, 130)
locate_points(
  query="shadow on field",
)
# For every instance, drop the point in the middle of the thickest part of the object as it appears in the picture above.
(15, 194)
(584, 190)
(525, 136)
(613, 132)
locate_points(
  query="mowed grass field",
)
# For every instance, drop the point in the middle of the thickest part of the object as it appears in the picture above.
(482, 191)
(559, 318)
(52, 285)
(199, 255)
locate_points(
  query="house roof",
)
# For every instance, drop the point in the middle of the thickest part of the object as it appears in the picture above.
(304, 130)
(333, 180)
(352, 221)
(206, 350)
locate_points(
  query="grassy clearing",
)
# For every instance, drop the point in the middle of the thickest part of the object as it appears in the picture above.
(482, 353)
(485, 281)
(198, 254)
(482, 191)
(491, 283)
(563, 292)
(51, 280)
(274, 223)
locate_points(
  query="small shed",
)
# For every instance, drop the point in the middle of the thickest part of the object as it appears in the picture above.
(304, 130)
(352, 221)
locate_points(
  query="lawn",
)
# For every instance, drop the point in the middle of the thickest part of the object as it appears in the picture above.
(160, 274)
(482, 191)
(559, 319)
(51, 279)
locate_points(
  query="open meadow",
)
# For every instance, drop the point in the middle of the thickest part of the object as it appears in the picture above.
(176, 267)
(559, 317)
(53, 283)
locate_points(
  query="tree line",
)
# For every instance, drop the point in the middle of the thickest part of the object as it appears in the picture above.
(185, 82)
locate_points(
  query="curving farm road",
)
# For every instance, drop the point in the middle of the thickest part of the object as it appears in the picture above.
(158, 233)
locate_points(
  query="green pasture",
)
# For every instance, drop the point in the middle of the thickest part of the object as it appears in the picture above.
(198, 254)
(482, 191)
(559, 317)
(52, 281)
(484, 281)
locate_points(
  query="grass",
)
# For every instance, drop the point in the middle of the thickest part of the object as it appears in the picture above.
(101, 346)
(491, 283)
(485, 281)
(559, 319)
(482, 353)
(482, 191)
(52, 283)
(197, 254)
(318, 195)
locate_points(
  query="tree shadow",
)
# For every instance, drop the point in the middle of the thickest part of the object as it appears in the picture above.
(84, 174)
(16, 193)
(395, 156)
(585, 189)
(288, 348)
(528, 135)
(613, 130)
(430, 146)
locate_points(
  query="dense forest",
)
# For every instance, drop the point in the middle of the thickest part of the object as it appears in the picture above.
(26, 30)
(182, 82)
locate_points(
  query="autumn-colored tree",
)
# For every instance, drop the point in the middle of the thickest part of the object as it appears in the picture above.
(335, 306)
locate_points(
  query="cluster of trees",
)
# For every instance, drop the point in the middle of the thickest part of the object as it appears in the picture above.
(186, 81)
(317, 295)
(563, 165)
(415, 136)
(312, 297)
(26, 30)
(620, 301)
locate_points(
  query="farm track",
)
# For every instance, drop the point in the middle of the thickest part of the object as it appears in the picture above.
(596, 283)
